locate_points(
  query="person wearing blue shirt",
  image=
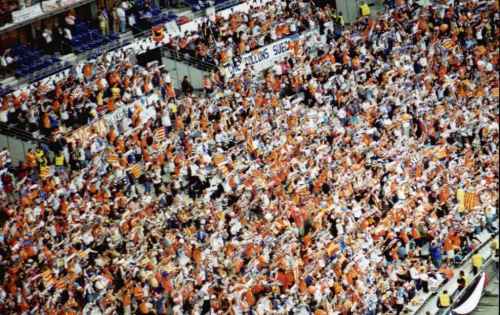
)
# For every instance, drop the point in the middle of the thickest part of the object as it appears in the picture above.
(436, 255)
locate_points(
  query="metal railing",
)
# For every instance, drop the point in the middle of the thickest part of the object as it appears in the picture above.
(459, 295)
(179, 55)
(45, 15)
(462, 262)
(186, 58)
(227, 4)
(20, 134)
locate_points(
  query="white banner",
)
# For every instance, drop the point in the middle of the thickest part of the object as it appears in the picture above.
(471, 303)
(265, 57)
(113, 118)
(102, 125)
(27, 13)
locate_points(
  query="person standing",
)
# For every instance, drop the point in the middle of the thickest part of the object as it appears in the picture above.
(104, 22)
(59, 37)
(48, 40)
(477, 262)
(436, 254)
(122, 16)
(116, 20)
(364, 9)
(495, 252)
(187, 88)
(463, 282)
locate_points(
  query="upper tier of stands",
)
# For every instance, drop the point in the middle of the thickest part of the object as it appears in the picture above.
(75, 99)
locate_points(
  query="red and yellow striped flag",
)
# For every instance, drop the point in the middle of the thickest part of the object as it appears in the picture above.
(47, 277)
(470, 200)
(223, 168)
(113, 159)
(218, 159)
(159, 135)
(136, 170)
(60, 284)
(44, 172)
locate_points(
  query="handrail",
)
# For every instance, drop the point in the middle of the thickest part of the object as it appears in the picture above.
(43, 73)
(227, 4)
(464, 290)
(14, 26)
(462, 262)
(20, 134)
(178, 55)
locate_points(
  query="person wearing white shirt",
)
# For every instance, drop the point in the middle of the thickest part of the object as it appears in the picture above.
(166, 78)
(122, 16)
(48, 37)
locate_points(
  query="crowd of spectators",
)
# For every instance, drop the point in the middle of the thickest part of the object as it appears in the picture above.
(219, 40)
(76, 100)
(345, 180)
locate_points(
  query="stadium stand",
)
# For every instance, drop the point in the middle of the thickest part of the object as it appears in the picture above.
(148, 15)
(241, 32)
(344, 170)
(30, 60)
(86, 38)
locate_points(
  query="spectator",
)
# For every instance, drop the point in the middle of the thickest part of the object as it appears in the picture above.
(122, 16)
(462, 281)
(436, 254)
(104, 22)
(48, 40)
(187, 88)
(477, 262)
(444, 300)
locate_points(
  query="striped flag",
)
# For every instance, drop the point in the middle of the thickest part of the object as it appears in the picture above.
(113, 159)
(218, 159)
(223, 168)
(460, 199)
(159, 135)
(136, 170)
(44, 172)
(60, 284)
(470, 200)
(48, 279)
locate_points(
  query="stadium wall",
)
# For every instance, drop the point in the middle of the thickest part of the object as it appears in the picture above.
(16, 147)
(178, 70)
